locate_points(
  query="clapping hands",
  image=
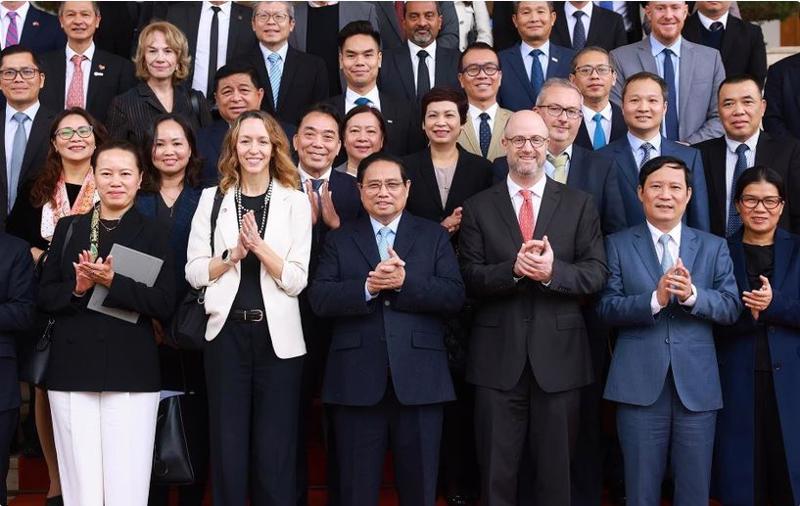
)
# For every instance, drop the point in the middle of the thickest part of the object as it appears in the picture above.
(535, 260)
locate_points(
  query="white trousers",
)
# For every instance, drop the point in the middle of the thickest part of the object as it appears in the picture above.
(104, 443)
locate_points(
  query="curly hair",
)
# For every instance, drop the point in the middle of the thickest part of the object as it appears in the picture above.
(281, 166)
(151, 177)
(176, 40)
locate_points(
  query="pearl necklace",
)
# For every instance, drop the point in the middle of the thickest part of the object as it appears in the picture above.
(240, 210)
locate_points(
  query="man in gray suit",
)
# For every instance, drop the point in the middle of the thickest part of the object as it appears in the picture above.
(693, 73)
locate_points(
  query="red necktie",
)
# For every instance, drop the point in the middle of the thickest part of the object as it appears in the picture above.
(526, 224)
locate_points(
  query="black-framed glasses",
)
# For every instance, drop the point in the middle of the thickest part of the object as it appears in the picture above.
(587, 70)
(68, 133)
(374, 187)
(278, 17)
(556, 111)
(770, 203)
(518, 141)
(473, 70)
(25, 72)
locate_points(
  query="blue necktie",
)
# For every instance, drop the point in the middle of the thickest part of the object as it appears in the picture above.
(383, 242)
(578, 33)
(17, 155)
(537, 74)
(275, 72)
(485, 134)
(363, 101)
(734, 220)
(599, 139)
(672, 94)
(666, 257)
(607, 5)
(646, 148)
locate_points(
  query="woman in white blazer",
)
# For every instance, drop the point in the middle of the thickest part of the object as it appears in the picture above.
(253, 359)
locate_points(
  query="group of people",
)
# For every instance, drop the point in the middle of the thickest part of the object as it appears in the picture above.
(462, 248)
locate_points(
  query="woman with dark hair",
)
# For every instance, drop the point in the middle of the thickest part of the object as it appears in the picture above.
(757, 452)
(363, 133)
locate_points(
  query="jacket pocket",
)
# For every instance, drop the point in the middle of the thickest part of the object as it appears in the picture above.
(346, 341)
(427, 340)
(569, 321)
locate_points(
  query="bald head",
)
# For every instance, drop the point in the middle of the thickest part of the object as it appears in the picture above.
(525, 142)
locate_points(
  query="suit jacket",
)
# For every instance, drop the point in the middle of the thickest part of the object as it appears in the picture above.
(241, 39)
(397, 76)
(392, 34)
(736, 432)
(516, 91)
(594, 174)
(606, 29)
(783, 102)
(618, 129)
(677, 338)
(398, 331)
(17, 305)
(348, 12)
(32, 161)
(519, 322)
(700, 73)
(42, 32)
(468, 139)
(209, 144)
(782, 155)
(288, 233)
(92, 351)
(110, 75)
(697, 214)
(346, 201)
(743, 50)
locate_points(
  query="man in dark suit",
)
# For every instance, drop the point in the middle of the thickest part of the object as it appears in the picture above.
(531, 250)
(81, 75)
(740, 43)
(203, 23)
(783, 108)
(528, 64)
(24, 24)
(28, 123)
(387, 279)
(292, 80)
(741, 109)
(644, 103)
(594, 75)
(17, 305)
(582, 24)
(390, 24)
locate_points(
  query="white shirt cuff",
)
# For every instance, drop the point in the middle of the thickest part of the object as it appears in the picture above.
(655, 307)
(692, 298)
(368, 296)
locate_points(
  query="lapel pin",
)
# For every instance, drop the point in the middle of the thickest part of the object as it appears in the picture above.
(35, 23)
(98, 74)
(553, 59)
(101, 66)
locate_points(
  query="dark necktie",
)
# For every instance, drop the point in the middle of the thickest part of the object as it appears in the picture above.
(423, 79)
(212, 53)
(537, 74)
(646, 148)
(734, 220)
(716, 26)
(578, 33)
(672, 96)
(485, 134)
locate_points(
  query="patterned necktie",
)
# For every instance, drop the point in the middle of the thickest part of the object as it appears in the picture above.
(485, 134)
(12, 35)
(599, 139)
(75, 91)
(526, 215)
(275, 72)
(646, 149)
(578, 33)
(559, 163)
(383, 242)
(672, 94)
(537, 74)
(423, 78)
(734, 220)
(363, 101)
(716, 26)
(666, 256)
(17, 155)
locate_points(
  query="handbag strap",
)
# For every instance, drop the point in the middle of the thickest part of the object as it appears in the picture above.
(214, 215)
(67, 237)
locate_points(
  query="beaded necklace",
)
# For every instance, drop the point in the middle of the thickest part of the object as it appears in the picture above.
(240, 210)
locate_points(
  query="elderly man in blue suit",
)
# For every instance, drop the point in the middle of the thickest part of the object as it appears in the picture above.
(387, 280)
(669, 285)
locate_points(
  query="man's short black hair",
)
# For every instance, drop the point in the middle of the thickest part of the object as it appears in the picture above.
(380, 156)
(473, 47)
(326, 109)
(360, 27)
(20, 49)
(661, 161)
(740, 78)
(237, 67)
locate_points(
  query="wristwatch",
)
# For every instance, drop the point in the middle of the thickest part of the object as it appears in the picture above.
(226, 257)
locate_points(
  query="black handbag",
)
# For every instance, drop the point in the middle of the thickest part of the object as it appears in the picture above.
(188, 329)
(172, 457)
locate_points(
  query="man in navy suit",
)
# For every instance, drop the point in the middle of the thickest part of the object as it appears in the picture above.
(783, 107)
(30, 27)
(669, 285)
(598, 26)
(388, 280)
(644, 104)
(528, 64)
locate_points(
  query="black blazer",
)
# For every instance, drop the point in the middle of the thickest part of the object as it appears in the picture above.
(782, 155)
(32, 162)
(743, 50)
(346, 201)
(17, 305)
(209, 145)
(606, 29)
(241, 39)
(397, 76)
(783, 102)
(42, 32)
(93, 352)
(131, 114)
(110, 75)
(618, 129)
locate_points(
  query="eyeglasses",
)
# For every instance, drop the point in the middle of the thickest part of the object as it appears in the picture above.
(473, 70)
(278, 17)
(770, 203)
(519, 141)
(374, 187)
(586, 70)
(556, 111)
(68, 133)
(25, 72)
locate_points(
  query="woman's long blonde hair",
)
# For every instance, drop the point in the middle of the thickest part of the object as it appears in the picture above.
(281, 166)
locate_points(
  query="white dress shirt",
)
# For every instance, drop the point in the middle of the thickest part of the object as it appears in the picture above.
(86, 67)
(203, 50)
(730, 164)
(351, 96)
(550, 169)
(536, 197)
(674, 246)
(527, 59)
(22, 13)
(474, 112)
(430, 61)
(706, 21)
(586, 20)
(605, 121)
(636, 145)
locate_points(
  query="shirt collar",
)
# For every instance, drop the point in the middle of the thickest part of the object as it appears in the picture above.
(89, 53)
(568, 151)
(21, 12)
(636, 142)
(377, 225)
(372, 95)
(674, 234)
(281, 52)
(751, 142)
(305, 176)
(588, 113)
(656, 47)
(30, 111)
(526, 49)
(431, 49)
(706, 21)
(570, 9)
(321, 4)
(537, 189)
(476, 111)
(224, 8)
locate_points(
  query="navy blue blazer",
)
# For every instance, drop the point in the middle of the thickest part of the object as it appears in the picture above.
(783, 102)
(735, 442)
(593, 174)
(17, 305)
(346, 201)
(42, 32)
(399, 331)
(516, 91)
(618, 129)
(697, 213)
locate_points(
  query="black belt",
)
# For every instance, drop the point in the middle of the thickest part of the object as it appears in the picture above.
(246, 315)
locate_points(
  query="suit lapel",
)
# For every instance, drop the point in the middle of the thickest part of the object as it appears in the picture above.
(364, 237)
(38, 138)
(575, 174)
(646, 57)
(404, 69)
(96, 77)
(505, 209)
(457, 186)
(583, 136)
(239, 25)
(192, 27)
(3, 174)
(498, 128)
(627, 162)
(429, 177)
(550, 200)
(130, 226)
(227, 223)
(406, 235)
(470, 140)
(765, 149)
(148, 96)
(618, 126)
(57, 77)
(689, 246)
(686, 65)
(554, 66)
(716, 169)
(783, 254)
(287, 78)
(643, 244)
(732, 33)
(518, 67)
(388, 9)
(736, 248)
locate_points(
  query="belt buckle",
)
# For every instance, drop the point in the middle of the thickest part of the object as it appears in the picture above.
(259, 315)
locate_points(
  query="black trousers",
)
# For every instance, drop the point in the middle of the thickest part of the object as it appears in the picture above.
(253, 401)
(772, 485)
(459, 461)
